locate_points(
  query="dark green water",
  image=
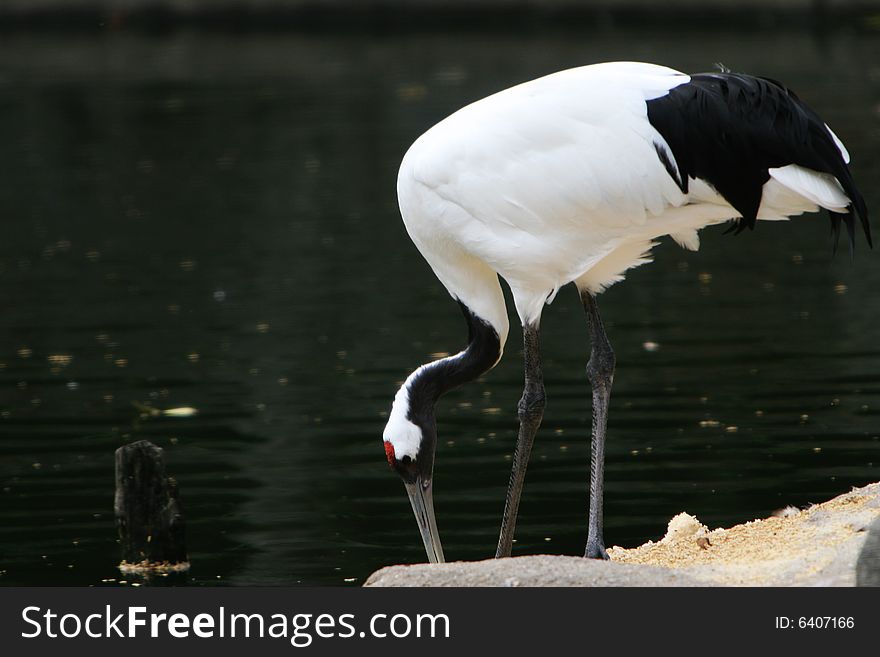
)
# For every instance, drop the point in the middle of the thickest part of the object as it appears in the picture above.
(210, 222)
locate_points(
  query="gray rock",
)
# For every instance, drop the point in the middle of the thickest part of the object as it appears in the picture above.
(539, 570)
(825, 545)
(868, 565)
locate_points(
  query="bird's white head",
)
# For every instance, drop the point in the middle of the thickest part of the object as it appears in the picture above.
(410, 439)
(403, 438)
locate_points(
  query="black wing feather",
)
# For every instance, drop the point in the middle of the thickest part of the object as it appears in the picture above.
(729, 129)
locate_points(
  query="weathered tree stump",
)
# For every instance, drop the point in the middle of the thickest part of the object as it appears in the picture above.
(148, 517)
(868, 565)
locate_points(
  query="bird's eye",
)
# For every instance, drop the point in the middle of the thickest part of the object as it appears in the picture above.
(406, 459)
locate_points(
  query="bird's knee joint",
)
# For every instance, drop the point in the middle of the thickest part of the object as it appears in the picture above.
(531, 406)
(600, 368)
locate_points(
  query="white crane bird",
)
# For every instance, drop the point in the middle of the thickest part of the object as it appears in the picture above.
(571, 178)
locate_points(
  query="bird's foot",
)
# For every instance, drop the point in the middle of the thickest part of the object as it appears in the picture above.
(595, 550)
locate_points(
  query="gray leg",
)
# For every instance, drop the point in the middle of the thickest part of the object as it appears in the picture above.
(530, 411)
(600, 372)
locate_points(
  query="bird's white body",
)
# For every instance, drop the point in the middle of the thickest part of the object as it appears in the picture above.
(557, 180)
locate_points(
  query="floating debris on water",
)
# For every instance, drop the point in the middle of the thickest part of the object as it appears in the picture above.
(183, 411)
(411, 92)
(152, 567)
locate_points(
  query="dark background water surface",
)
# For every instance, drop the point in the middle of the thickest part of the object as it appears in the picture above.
(209, 220)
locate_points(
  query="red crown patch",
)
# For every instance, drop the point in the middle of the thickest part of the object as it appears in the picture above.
(389, 452)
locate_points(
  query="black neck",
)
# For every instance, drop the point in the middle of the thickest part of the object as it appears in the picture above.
(438, 378)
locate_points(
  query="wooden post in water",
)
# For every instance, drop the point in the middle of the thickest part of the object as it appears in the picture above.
(148, 517)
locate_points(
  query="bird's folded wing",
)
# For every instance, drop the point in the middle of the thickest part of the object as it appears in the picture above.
(540, 157)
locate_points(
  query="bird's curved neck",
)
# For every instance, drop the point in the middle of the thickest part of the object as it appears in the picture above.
(429, 382)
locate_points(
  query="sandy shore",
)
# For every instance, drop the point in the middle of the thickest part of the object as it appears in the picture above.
(817, 546)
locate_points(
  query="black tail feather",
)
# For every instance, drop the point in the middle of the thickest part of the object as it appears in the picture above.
(850, 232)
(847, 219)
(835, 232)
(863, 218)
(729, 129)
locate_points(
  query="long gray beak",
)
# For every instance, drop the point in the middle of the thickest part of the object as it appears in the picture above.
(422, 499)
